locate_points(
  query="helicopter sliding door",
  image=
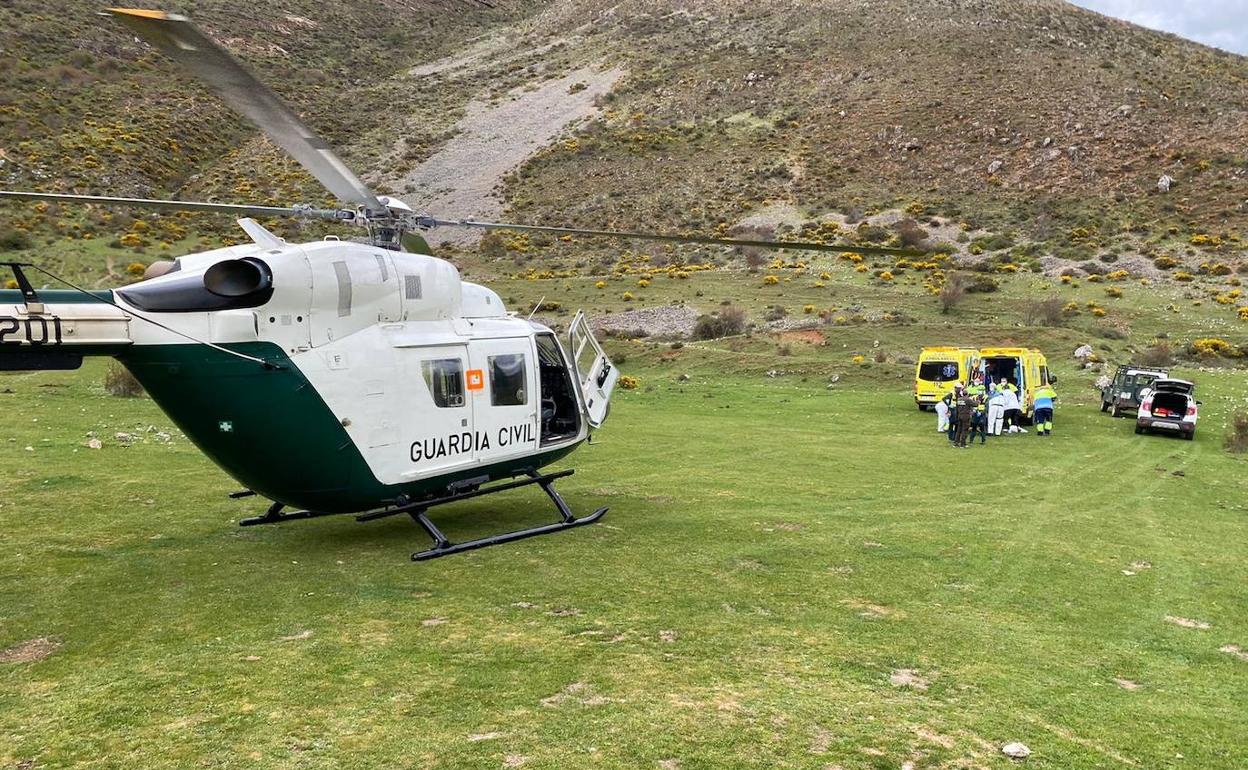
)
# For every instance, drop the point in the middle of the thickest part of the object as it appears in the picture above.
(596, 372)
(560, 409)
(503, 385)
(443, 436)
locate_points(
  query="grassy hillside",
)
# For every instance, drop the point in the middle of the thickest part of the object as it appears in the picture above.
(796, 571)
(790, 576)
(1041, 123)
(1037, 119)
(86, 108)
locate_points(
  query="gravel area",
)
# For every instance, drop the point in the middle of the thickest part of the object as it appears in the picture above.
(461, 179)
(667, 321)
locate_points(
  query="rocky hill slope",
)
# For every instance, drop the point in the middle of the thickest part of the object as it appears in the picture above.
(1043, 122)
(1033, 116)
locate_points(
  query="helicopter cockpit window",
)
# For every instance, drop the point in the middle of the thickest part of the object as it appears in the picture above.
(507, 380)
(445, 378)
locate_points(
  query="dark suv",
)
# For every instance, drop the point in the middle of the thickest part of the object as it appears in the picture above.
(1122, 395)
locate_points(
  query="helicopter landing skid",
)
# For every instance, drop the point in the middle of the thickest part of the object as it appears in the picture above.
(441, 545)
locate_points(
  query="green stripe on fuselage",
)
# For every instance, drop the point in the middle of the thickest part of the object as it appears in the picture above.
(271, 430)
(59, 297)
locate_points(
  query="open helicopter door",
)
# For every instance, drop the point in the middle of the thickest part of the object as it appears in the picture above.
(595, 373)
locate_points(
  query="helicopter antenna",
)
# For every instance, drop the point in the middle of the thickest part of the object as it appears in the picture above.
(535, 307)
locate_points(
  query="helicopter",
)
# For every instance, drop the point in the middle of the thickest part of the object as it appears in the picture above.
(337, 376)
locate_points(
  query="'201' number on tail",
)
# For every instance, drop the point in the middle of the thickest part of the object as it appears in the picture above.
(38, 330)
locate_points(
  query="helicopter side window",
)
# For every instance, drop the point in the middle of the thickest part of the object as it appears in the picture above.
(445, 378)
(507, 380)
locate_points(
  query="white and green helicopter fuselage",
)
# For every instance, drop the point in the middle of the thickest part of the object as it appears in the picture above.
(332, 376)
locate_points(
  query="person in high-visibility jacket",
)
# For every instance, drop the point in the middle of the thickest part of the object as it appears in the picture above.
(1045, 396)
(979, 417)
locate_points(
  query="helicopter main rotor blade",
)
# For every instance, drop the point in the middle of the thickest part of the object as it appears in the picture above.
(302, 212)
(176, 37)
(799, 245)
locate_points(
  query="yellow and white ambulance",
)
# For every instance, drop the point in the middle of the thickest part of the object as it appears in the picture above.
(938, 369)
(1025, 368)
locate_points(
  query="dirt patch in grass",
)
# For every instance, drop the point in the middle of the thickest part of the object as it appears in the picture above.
(305, 634)
(871, 610)
(1126, 684)
(1188, 622)
(1234, 649)
(822, 740)
(908, 677)
(30, 650)
(931, 736)
(807, 336)
(478, 737)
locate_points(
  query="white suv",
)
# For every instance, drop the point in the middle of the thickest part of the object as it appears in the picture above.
(1170, 406)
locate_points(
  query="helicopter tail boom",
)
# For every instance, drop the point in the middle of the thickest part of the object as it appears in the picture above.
(54, 330)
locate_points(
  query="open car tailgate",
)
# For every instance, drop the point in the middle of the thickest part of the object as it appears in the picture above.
(595, 374)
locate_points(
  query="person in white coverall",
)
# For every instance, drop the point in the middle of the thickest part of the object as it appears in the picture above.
(1012, 406)
(942, 416)
(996, 409)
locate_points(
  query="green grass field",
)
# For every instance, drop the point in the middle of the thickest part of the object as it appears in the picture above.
(790, 576)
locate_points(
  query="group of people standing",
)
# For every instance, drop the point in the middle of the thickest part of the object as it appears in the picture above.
(980, 409)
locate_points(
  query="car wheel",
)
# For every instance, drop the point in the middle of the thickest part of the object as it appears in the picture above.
(922, 407)
(1117, 411)
(1189, 436)
(1138, 430)
(1104, 406)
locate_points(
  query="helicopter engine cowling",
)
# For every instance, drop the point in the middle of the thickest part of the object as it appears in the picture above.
(480, 302)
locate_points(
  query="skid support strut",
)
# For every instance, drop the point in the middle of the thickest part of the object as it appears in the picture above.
(442, 546)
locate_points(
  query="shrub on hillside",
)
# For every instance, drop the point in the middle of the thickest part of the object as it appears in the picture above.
(493, 245)
(118, 381)
(1212, 347)
(912, 235)
(1237, 439)
(953, 292)
(1158, 354)
(872, 233)
(14, 240)
(1044, 312)
(982, 284)
(992, 242)
(728, 322)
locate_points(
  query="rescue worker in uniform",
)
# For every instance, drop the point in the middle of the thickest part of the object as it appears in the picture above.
(979, 409)
(951, 418)
(1045, 396)
(963, 409)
